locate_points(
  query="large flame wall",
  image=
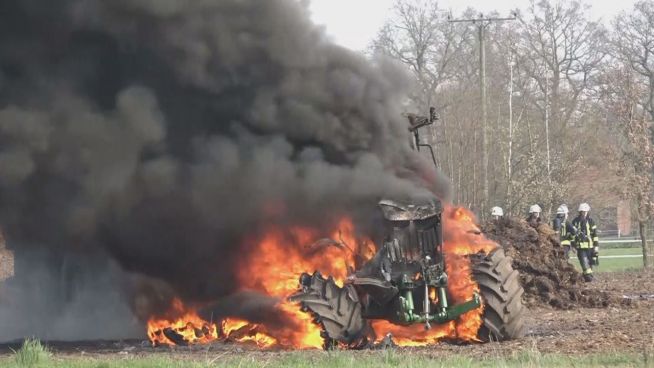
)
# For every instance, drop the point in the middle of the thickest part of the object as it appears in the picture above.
(281, 255)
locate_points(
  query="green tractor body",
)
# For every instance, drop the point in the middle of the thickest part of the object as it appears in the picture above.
(405, 282)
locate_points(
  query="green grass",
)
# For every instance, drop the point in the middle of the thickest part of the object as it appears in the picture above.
(621, 251)
(615, 264)
(363, 359)
(620, 265)
(31, 354)
(620, 245)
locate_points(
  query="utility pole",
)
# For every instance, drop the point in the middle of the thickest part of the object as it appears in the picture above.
(547, 140)
(481, 24)
(547, 125)
(510, 158)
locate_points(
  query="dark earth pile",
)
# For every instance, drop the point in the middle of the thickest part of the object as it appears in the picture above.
(547, 277)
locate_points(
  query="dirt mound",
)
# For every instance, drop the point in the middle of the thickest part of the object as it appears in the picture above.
(545, 274)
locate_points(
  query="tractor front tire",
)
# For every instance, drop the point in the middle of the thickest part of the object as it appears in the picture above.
(501, 292)
(336, 309)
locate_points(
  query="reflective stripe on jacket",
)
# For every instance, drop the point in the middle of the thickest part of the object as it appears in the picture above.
(586, 232)
(565, 229)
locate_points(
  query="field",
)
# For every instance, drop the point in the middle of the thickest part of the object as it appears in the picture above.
(617, 336)
(405, 358)
(616, 259)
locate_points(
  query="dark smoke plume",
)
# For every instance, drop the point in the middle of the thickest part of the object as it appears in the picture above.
(160, 133)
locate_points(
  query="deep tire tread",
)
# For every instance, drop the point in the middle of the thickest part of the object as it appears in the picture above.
(337, 309)
(501, 292)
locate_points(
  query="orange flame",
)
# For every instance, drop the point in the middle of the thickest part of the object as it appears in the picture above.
(463, 237)
(281, 255)
(188, 328)
(244, 331)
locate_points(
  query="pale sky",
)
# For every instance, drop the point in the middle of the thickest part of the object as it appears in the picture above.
(354, 23)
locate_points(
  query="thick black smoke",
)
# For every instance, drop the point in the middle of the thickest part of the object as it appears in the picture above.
(160, 133)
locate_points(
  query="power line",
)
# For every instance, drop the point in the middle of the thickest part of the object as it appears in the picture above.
(481, 24)
(481, 19)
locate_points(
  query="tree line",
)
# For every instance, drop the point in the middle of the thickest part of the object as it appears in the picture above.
(569, 101)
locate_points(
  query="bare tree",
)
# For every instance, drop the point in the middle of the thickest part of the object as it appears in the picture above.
(418, 35)
(562, 50)
(630, 96)
(634, 44)
(554, 53)
(624, 96)
(437, 53)
(562, 43)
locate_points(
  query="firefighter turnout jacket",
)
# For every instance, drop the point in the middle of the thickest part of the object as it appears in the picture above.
(566, 231)
(586, 232)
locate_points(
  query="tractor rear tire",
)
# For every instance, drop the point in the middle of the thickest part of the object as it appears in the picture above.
(336, 309)
(501, 292)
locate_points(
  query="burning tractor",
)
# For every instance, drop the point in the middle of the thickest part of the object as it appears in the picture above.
(406, 283)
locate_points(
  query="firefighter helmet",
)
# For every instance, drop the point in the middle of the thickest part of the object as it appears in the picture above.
(584, 207)
(534, 209)
(497, 211)
(562, 210)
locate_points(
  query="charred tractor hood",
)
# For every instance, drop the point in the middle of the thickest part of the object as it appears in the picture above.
(412, 229)
(420, 208)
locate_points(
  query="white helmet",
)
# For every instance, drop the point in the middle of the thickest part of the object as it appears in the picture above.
(562, 210)
(534, 209)
(497, 211)
(584, 207)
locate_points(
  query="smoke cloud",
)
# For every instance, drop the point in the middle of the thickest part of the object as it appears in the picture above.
(156, 135)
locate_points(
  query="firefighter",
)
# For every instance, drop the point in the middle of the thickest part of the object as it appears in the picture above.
(497, 213)
(534, 215)
(564, 227)
(586, 241)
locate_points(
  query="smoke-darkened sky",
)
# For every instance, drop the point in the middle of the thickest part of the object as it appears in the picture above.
(163, 132)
